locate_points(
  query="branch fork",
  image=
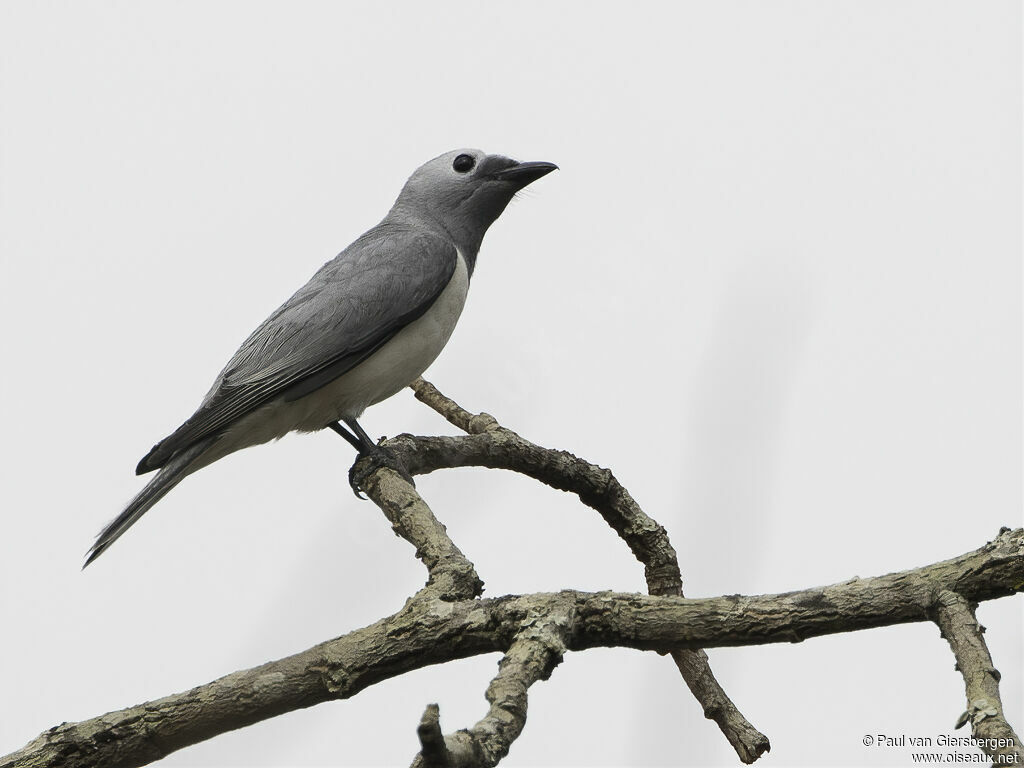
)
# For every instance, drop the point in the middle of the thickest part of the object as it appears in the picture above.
(447, 619)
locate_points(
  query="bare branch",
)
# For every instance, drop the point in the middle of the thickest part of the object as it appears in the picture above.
(956, 619)
(536, 651)
(455, 414)
(497, 447)
(429, 630)
(433, 750)
(748, 742)
(452, 575)
(426, 631)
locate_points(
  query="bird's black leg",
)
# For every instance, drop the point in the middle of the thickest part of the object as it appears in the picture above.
(349, 437)
(377, 457)
(366, 443)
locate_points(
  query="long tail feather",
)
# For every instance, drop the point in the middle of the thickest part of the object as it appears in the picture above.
(172, 473)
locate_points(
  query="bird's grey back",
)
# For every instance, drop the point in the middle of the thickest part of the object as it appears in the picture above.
(352, 305)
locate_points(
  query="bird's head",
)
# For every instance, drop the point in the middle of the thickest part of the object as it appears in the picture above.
(465, 191)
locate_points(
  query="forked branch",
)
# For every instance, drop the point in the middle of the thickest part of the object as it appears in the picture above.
(491, 445)
(447, 620)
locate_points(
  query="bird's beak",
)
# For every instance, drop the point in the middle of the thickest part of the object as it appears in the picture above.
(525, 173)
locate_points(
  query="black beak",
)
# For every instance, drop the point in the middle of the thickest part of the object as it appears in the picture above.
(525, 173)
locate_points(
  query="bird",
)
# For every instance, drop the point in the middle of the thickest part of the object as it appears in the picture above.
(365, 326)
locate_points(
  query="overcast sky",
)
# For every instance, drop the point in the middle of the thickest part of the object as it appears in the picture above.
(775, 286)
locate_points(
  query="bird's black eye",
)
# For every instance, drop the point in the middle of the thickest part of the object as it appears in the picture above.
(464, 163)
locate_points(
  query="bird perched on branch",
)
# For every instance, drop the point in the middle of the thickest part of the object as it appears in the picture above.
(364, 327)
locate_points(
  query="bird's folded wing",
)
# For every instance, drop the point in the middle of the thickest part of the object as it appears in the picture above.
(353, 305)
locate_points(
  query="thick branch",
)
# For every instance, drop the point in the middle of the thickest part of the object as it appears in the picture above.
(955, 617)
(426, 631)
(430, 631)
(494, 446)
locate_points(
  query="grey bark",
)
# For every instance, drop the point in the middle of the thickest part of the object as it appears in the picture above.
(448, 620)
(955, 616)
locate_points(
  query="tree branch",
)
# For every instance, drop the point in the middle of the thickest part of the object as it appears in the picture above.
(497, 447)
(956, 619)
(536, 651)
(433, 750)
(429, 630)
(451, 575)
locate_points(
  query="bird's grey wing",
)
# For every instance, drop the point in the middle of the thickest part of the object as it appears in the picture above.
(354, 304)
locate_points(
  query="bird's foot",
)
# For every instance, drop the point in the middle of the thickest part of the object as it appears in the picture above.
(368, 463)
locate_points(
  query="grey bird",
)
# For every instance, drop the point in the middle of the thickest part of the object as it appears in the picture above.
(365, 326)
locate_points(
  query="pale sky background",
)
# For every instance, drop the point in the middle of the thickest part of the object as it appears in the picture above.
(776, 287)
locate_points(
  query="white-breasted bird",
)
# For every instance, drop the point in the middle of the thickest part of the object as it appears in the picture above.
(365, 326)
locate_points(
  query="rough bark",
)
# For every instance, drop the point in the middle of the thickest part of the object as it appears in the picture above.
(448, 620)
(501, 448)
(955, 616)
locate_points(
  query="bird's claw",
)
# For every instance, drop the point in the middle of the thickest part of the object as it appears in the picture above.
(353, 481)
(368, 463)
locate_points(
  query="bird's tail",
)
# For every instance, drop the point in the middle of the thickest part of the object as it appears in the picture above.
(172, 473)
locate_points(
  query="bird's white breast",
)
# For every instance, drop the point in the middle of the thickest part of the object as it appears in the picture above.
(404, 357)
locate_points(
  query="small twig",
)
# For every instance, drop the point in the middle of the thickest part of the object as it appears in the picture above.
(433, 751)
(748, 742)
(454, 414)
(497, 447)
(537, 649)
(956, 619)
